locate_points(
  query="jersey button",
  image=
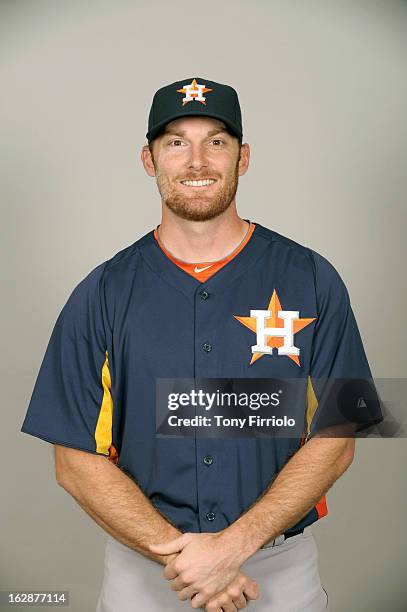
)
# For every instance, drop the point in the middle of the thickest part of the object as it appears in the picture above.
(208, 460)
(204, 295)
(210, 516)
(207, 347)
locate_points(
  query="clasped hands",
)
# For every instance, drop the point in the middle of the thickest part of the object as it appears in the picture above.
(205, 567)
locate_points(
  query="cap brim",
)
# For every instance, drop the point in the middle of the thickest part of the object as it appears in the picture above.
(158, 128)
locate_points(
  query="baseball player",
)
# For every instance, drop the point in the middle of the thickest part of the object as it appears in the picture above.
(220, 521)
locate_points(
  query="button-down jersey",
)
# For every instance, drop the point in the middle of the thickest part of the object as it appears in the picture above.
(139, 317)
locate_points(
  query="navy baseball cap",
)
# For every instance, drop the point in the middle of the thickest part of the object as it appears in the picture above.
(195, 97)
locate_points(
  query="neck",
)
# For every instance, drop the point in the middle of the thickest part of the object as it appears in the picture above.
(202, 241)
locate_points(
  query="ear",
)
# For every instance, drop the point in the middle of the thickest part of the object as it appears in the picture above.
(244, 158)
(147, 160)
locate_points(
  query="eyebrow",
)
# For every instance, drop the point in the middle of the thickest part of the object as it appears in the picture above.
(176, 132)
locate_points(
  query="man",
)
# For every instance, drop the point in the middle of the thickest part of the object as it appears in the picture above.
(205, 296)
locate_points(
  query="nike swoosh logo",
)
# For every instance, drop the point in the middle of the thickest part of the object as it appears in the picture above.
(196, 269)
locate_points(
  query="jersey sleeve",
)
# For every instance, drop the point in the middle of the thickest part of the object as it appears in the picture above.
(341, 389)
(71, 403)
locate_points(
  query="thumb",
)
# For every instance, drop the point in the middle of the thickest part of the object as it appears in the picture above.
(166, 548)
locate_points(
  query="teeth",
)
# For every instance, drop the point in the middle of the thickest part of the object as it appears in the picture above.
(198, 183)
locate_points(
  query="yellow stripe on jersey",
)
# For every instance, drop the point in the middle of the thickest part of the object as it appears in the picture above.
(103, 431)
(312, 405)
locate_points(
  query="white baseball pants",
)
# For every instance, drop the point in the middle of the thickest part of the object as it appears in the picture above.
(286, 572)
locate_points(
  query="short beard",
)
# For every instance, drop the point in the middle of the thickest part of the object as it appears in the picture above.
(199, 208)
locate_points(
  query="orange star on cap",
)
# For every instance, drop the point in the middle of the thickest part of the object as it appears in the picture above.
(274, 321)
(194, 91)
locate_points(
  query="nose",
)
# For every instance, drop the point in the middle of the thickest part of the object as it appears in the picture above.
(197, 159)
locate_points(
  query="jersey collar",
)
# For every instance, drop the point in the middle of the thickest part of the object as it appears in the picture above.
(171, 273)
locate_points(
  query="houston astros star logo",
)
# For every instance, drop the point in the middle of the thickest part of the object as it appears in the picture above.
(193, 91)
(275, 328)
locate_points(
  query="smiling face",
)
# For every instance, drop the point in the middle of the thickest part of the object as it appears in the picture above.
(196, 163)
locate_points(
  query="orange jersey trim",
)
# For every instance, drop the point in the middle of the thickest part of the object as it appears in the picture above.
(205, 269)
(321, 507)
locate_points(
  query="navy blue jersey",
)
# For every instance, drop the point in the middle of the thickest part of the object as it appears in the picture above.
(139, 317)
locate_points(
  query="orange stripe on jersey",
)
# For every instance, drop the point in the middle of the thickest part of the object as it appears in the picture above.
(312, 405)
(204, 270)
(321, 507)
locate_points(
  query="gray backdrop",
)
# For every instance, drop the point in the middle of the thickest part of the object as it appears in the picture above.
(323, 90)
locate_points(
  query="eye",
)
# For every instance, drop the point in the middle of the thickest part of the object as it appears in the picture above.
(218, 140)
(173, 141)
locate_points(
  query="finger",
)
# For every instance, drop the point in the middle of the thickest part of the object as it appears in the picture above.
(200, 600)
(229, 607)
(170, 573)
(169, 558)
(251, 590)
(236, 596)
(203, 607)
(165, 548)
(186, 593)
(240, 602)
(177, 584)
(226, 603)
(214, 605)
